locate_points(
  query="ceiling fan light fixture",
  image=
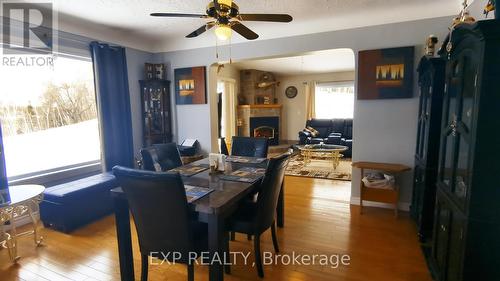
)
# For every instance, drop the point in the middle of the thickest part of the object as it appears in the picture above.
(223, 32)
(226, 2)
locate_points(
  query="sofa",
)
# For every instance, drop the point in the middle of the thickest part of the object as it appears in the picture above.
(330, 131)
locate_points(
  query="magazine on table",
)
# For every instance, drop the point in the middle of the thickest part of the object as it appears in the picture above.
(190, 169)
(194, 193)
(245, 159)
(245, 174)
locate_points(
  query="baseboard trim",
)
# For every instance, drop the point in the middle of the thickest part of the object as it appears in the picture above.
(403, 206)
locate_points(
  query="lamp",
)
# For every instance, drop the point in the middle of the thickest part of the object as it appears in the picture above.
(225, 2)
(223, 32)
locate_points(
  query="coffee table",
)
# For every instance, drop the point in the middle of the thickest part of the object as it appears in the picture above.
(19, 202)
(322, 151)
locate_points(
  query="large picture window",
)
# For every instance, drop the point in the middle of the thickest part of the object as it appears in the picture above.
(334, 100)
(49, 117)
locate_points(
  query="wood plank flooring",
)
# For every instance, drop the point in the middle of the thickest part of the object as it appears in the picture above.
(319, 220)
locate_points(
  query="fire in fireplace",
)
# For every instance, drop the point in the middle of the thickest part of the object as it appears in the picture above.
(264, 132)
(268, 127)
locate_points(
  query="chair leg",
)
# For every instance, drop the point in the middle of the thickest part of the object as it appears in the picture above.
(190, 268)
(227, 261)
(249, 237)
(144, 267)
(258, 258)
(275, 238)
(232, 236)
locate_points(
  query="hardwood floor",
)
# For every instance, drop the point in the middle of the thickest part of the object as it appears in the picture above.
(319, 220)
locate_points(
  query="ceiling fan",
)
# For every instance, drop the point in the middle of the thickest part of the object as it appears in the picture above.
(225, 16)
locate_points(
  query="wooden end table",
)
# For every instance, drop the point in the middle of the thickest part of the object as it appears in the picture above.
(383, 195)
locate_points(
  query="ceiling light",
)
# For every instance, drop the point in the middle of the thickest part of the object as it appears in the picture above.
(223, 32)
(225, 2)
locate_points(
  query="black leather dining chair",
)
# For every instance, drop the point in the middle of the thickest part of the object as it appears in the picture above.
(255, 217)
(223, 146)
(165, 154)
(250, 147)
(161, 214)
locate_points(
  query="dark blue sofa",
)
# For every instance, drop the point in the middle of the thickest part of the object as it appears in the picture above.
(65, 207)
(331, 131)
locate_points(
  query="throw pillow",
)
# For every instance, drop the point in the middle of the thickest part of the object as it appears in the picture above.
(313, 131)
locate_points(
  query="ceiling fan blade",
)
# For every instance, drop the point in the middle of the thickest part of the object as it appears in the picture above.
(244, 31)
(200, 30)
(178, 15)
(266, 17)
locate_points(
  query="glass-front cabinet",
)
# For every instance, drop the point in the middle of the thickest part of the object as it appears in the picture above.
(458, 113)
(156, 112)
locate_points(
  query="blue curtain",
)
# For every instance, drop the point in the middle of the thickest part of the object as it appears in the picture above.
(113, 104)
(3, 173)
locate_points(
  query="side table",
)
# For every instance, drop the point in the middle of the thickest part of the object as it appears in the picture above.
(390, 196)
(24, 202)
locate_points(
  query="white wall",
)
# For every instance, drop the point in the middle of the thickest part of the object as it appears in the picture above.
(384, 130)
(294, 110)
(135, 65)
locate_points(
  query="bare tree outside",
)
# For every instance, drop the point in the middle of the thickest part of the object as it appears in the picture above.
(59, 105)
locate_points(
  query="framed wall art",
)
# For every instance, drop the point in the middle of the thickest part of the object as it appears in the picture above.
(386, 73)
(190, 85)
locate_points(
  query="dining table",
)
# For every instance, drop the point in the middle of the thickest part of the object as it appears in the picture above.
(213, 209)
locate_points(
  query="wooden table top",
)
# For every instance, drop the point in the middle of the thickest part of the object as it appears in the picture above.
(226, 193)
(384, 167)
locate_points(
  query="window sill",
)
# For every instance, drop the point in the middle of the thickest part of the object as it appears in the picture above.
(64, 174)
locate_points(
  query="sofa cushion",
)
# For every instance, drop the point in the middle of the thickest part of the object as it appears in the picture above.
(323, 126)
(314, 132)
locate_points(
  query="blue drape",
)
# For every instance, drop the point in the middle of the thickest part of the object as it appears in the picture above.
(3, 173)
(113, 104)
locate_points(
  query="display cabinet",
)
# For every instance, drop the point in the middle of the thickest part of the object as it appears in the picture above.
(467, 221)
(431, 72)
(156, 111)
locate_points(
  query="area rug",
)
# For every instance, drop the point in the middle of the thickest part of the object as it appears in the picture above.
(319, 169)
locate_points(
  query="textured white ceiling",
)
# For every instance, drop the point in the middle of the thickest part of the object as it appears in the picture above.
(317, 62)
(128, 21)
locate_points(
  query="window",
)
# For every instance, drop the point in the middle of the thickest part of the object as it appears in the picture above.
(49, 117)
(334, 100)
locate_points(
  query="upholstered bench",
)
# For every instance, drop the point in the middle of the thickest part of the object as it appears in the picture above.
(67, 206)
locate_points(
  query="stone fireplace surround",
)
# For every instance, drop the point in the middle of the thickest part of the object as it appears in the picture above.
(246, 124)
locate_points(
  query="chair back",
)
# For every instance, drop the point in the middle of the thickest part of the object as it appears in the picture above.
(165, 154)
(223, 146)
(159, 208)
(267, 199)
(250, 147)
(149, 158)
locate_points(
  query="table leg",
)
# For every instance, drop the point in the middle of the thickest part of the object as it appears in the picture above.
(34, 220)
(280, 210)
(124, 239)
(216, 246)
(12, 242)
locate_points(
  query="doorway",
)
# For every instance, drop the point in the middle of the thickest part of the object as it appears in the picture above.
(226, 107)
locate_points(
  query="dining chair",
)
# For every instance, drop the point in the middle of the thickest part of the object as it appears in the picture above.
(255, 217)
(223, 146)
(250, 147)
(166, 155)
(161, 214)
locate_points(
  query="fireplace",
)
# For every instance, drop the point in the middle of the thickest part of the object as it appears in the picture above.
(267, 127)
